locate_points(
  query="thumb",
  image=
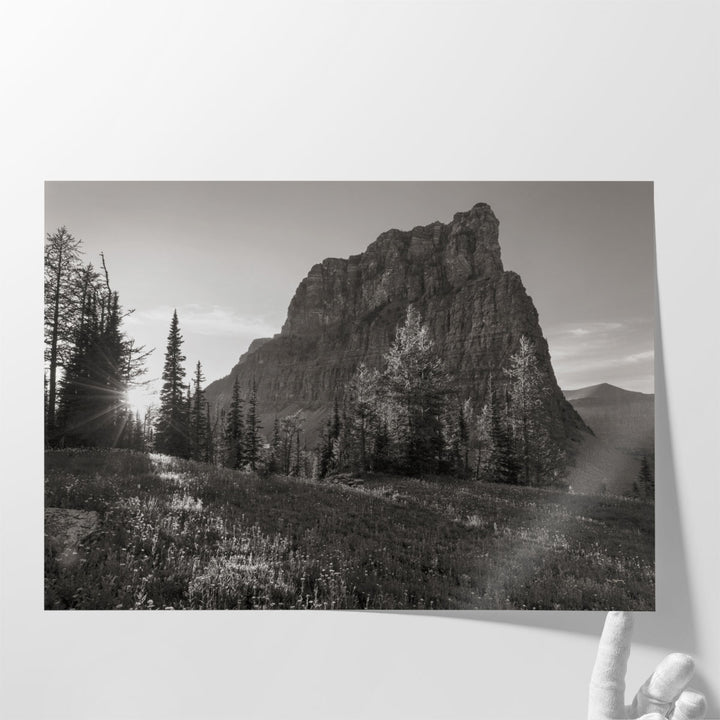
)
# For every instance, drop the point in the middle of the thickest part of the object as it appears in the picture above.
(653, 716)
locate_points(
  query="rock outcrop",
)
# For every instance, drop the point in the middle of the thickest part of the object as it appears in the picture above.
(346, 311)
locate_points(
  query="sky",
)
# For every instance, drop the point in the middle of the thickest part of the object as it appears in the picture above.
(229, 256)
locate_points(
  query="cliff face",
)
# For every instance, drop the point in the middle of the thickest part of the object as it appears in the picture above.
(347, 311)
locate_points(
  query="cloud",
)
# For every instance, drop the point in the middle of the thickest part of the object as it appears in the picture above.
(594, 329)
(594, 352)
(210, 320)
(639, 357)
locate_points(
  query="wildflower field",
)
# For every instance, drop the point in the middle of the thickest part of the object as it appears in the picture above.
(179, 534)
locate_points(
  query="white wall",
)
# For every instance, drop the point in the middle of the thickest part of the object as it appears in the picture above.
(395, 90)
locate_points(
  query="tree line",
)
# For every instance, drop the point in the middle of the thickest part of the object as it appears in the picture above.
(406, 418)
(401, 418)
(90, 362)
(184, 427)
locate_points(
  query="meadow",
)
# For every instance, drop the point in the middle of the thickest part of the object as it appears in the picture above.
(177, 534)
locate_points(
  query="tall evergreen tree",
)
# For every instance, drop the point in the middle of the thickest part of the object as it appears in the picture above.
(416, 384)
(62, 269)
(199, 421)
(498, 464)
(171, 423)
(253, 439)
(458, 434)
(234, 431)
(92, 409)
(362, 415)
(538, 457)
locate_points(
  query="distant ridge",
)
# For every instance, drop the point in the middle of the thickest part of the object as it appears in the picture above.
(624, 424)
(604, 392)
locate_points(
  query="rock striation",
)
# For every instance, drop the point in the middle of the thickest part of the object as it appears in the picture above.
(346, 311)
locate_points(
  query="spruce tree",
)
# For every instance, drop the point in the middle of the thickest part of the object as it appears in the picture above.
(537, 455)
(234, 431)
(362, 416)
(500, 465)
(199, 420)
(92, 409)
(62, 305)
(171, 423)
(416, 384)
(253, 439)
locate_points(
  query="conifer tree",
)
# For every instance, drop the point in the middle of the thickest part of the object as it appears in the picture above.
(538, 457)
(234, 431)
(415, 382)
(62, 304)
(171, 423)
(362, 416)
(253, 439)
(499, 464)
(199, 420)
(458, 439)
(92, 409)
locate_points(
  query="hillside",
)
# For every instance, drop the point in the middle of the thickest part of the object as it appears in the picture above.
(623, 422)
(624, 419)
(155, 532)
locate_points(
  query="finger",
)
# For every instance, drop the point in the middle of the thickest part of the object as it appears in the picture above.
(607, 683)
(689, 706)
(663, 687)
(653, 716)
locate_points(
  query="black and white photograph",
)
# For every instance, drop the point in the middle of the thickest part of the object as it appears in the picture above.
(401, 314)
(349, 395)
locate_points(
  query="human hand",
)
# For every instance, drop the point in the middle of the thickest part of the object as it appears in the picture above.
(663, 695)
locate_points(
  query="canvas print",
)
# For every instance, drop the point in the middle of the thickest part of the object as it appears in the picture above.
(349, 395)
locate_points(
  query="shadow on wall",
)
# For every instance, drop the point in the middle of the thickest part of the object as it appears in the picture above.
(672, 626)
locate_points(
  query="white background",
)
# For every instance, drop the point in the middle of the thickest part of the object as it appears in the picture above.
(394, 90)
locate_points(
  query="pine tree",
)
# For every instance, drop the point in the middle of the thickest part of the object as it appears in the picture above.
(62, 305)
(459, 437)
(500, 464)
(171, 423)
(199, 420)
(234, 431)
(538, 457)
(416, 384)
(253, 439)
(92, 409)
(362, 416)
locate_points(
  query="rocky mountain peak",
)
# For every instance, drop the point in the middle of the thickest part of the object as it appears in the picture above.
(400, 266)
(346, 311)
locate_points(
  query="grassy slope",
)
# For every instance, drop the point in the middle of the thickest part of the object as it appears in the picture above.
(181, 534)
